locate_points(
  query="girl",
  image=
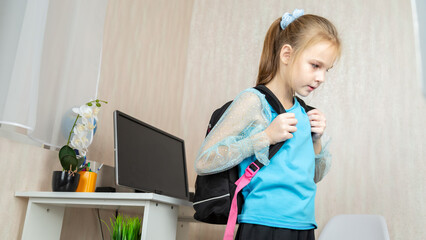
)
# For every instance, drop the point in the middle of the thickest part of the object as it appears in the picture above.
(279, 201)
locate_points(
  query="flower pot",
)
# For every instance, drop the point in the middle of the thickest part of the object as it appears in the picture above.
(64, 182)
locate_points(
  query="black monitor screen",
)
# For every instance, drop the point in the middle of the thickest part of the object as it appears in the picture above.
(148, 159)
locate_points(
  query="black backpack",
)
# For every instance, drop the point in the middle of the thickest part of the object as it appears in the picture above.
(214, 193)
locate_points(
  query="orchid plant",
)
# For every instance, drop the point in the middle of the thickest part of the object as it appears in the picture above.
(73, 154)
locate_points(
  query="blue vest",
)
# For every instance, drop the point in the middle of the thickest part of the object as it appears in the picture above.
(282, 194)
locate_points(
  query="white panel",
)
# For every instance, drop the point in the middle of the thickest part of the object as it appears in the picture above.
(159, 221)
(43, 221)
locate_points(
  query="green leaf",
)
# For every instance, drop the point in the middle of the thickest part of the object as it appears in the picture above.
(80, 161)
(68, 160)
(98, 105)
(97, 100)
(89, 104)
(66, 151)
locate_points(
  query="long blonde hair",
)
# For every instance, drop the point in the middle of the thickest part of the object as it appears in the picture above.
(302, 33)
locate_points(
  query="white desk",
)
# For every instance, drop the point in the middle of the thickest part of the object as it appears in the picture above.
(47, 209)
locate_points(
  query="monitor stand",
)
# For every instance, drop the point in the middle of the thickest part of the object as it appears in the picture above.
(105, 189)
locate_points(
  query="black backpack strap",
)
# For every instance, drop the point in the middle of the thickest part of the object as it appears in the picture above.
(278, 107)
(303, 104)
(271, 98)
(275, 103)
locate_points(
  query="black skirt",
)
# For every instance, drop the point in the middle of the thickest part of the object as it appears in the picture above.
(255, 232)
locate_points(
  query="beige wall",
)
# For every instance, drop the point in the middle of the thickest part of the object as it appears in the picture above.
(171, 63)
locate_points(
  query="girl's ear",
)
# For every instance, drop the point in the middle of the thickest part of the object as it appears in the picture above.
(285, 53)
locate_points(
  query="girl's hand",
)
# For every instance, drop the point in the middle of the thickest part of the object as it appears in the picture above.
(318, 123)
(281, 128)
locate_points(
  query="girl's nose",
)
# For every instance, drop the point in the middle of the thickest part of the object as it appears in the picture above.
(320, 77)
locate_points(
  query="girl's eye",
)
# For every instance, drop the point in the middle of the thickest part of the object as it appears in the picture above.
(315, 66)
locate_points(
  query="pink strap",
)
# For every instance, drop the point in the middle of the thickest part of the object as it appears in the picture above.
(233, 212)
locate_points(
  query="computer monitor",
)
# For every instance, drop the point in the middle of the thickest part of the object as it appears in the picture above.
(148, 159)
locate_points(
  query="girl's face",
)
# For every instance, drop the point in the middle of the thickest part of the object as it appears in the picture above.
(310, 69)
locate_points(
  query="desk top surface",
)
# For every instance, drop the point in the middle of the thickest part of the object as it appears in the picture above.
(105, 196)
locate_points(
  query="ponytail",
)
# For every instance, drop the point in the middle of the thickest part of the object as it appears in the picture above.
(268, 66)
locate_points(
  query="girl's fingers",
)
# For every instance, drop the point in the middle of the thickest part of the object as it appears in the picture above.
(315, 117)
(317, 121)
(292, 129)
(291, 121)
(314, 111)
(317, 130)
(317, 124)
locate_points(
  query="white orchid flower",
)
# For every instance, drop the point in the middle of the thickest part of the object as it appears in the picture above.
(81, 130)
(86, 111)
(77, 144)
(82, 152)
(80, 143)
(76, 110)
(88, 123)
(85, 141)
(90, 126)
(96, 112)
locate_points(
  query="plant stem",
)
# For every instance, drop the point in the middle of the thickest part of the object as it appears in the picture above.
(75, 122)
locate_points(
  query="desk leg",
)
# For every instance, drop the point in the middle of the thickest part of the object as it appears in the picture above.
(43, 221)
(159, 221)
